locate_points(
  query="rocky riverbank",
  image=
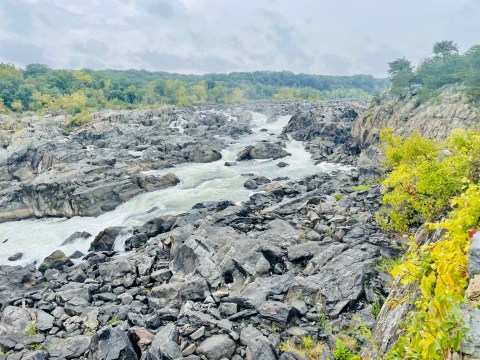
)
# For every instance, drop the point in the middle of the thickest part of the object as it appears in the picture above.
(296, 261)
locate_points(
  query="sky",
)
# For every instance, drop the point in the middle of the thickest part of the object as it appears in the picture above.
(331, 37)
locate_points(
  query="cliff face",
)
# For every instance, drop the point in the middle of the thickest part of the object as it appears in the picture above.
(435, 118)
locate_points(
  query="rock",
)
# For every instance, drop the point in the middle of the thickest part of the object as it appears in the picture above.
(105, 240)
(230, 163)
(165, 344)
(256, 181)
(471, 340)
(258, 346)
(76, 236)
(72, 347)
(262, 150)
(303, 251)
(111, 344)
(217, 347)
(17, 318)
(292, 355)
(276, 311)
(15, 257)
(55, 260)
(76, 255)
(473, 289)
(198, 334)
(203, 154)
(44, 320)
(154, 182)
(474, 256)
(282, 164)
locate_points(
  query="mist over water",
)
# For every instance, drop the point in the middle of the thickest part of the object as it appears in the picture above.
(199, 182)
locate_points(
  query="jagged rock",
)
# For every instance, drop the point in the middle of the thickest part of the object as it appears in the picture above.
(262, 150)
(74, 347)
(217, 347)
(258, 346)
(55, 260)
(474, 256)
(471, 340)
(276, 311)
(15, 257)
(255, 182)
(105, 240)
(76, 236)
(111, 344)
(165, 343)
(154, 182)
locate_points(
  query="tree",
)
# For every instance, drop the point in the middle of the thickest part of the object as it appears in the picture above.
(17, 106)
(399, 66)
(445, 48)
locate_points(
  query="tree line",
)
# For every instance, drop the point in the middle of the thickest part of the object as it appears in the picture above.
(37, 87)
(444, 67)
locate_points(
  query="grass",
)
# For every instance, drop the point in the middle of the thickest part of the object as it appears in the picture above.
(363, 187)
(35, 346)
(342, 352)
(113, 320)
(308, 347)
(386, 265)
(31, 329)
(338, 197)
(376, 307)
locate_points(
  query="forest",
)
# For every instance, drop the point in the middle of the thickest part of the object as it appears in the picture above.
(38, 88)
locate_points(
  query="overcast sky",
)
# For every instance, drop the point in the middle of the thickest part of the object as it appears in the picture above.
(337, 37)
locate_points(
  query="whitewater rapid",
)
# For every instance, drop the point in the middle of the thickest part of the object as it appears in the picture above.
(200, 182)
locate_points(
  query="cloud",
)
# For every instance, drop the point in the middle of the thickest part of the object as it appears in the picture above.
(200, 36)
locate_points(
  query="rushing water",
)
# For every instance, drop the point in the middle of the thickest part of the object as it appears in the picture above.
(199, 182)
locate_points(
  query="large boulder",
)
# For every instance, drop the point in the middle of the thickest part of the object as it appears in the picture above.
(105, 240)
(217, 347)
(262, 150)
(55, 260)
(154, 182)
(72, 347)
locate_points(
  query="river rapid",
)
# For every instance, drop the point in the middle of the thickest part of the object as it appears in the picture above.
(200, 182)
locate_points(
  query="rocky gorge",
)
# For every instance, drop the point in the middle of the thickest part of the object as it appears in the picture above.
(286, 250)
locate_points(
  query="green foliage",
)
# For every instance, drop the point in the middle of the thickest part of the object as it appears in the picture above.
(424, 176)
(81, 119)
(308, 347)
(35, 346)
(338, 197)
(113, 320)
(342, 352)
(442, 178)
(376, 308)
(363, 187)
(445, 67)
(386, 265)
(40, 88)
(32, 329)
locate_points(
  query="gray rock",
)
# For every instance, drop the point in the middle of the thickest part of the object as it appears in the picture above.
(471, 339)
(217, 347)
(276, 311)
(111, 344)
(105, 240)
(154, 182)
(44, 320)
(72, 347)
(55, 260)
(262, 150)
(15, 257)
(474, 256)
(258, 346)
(255, 182)
(76, 236)
(303, 251)
(165, 344)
